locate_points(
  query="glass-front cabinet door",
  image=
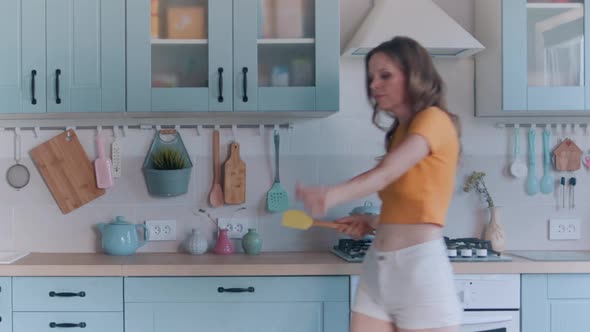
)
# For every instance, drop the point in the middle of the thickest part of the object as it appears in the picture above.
(179, 55)
(233, 55)
(286, 55)
(545, 55)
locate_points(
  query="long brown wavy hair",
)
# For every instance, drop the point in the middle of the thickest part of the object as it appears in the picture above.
(424, 86)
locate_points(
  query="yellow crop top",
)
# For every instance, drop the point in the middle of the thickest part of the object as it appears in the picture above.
(423, 193)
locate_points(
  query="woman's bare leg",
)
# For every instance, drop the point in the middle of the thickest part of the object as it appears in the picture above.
(442, 329)
(364, 323)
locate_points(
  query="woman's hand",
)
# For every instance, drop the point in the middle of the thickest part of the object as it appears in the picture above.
(356, 226)
(315, 198)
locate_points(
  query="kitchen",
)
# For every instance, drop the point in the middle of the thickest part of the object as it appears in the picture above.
(312, 150)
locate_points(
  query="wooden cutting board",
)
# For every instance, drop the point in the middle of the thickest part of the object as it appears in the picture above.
(67, 171)
(234, 170)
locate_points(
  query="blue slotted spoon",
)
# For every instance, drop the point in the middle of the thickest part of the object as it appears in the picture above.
(277, 199)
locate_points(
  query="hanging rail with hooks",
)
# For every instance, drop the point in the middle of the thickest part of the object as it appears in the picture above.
(198, 127)
(541, 125)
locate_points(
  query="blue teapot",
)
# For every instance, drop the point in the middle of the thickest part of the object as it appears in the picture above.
(120, 237)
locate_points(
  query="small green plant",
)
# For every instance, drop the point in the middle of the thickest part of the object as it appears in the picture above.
(476, 181)
(169, 159)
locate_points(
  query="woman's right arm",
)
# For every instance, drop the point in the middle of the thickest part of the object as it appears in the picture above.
(357, 226)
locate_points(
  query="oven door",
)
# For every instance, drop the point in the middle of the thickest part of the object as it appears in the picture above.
(491, 321)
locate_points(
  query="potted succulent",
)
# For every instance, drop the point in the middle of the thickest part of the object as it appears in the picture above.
(168, 158)
(494, 231)
(167, 167)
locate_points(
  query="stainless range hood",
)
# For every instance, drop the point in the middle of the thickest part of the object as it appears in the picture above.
(421, 20)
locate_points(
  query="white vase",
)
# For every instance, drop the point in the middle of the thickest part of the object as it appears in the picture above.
(196, 243)
(494, 232)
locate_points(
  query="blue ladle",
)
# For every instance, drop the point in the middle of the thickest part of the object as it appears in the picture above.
(532, 183)
(547, 182)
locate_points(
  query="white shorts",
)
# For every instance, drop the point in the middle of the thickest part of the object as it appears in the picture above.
(412, 287)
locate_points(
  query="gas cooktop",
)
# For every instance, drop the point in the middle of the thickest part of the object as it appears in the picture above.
(458, 250)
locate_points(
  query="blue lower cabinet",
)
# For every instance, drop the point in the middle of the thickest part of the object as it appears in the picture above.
(5, 304)
(262, 304)
(71, 321)
(555, 302)
(224, 317)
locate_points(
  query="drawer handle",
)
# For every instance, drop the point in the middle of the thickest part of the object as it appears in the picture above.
(245, 84)
(67, 294)
(57, 98)
(220, 85)
(33, 99)
(54, 325)
(235, 290)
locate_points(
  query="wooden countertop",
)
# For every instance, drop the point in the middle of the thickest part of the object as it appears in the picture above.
(271, 263)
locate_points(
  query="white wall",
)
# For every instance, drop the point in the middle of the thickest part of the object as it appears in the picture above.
(316, 151)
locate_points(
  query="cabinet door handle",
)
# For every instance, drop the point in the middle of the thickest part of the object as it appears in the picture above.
(57, 73)
(67, 294)
(33, 99)
(220, 72)
(245, 84)
(235, 290)
(54, 325)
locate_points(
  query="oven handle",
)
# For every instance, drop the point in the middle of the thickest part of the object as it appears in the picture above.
(486, 320)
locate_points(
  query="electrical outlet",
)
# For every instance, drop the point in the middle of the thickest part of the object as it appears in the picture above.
(564, 229)
(161, 230)
(236, 227)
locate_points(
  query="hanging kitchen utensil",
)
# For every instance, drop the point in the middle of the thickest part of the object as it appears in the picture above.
(18, 175)
(216, 194)
(67, 171)
(300, 220)
(572, 194)
(517, 168)
(547, 181)
(116, 155)
(277, 199)
(102, 165)
(562, 183)
(234, 177)
(532, 183)
(568, 156)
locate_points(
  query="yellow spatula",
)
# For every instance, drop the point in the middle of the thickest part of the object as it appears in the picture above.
(300, 220)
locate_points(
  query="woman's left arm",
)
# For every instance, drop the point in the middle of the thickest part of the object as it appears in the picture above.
(397, 162)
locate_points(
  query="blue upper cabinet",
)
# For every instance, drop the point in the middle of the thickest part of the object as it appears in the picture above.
(179, 55)
(233, 55)
(535, 59)
(62, 56)
(286, 55)
(22, 56)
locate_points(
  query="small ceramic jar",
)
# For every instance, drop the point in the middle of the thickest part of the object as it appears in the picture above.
(251, 242)
(196, 243)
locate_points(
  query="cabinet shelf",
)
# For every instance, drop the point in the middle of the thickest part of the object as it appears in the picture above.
(286, 41)
(180, 41)
(554, 5)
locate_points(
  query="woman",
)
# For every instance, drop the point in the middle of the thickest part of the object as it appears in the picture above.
(407, 280)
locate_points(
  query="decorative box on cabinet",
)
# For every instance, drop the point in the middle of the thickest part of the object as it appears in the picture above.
(296, 304)
(62, 56)
(251, 55)
(536, 58)
(46, 303)
(555, 302)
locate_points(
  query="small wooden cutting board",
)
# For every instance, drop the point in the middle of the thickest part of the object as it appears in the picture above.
(234, 188)
(67, 171)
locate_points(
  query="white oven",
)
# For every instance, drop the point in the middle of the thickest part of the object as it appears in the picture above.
(491, 302)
